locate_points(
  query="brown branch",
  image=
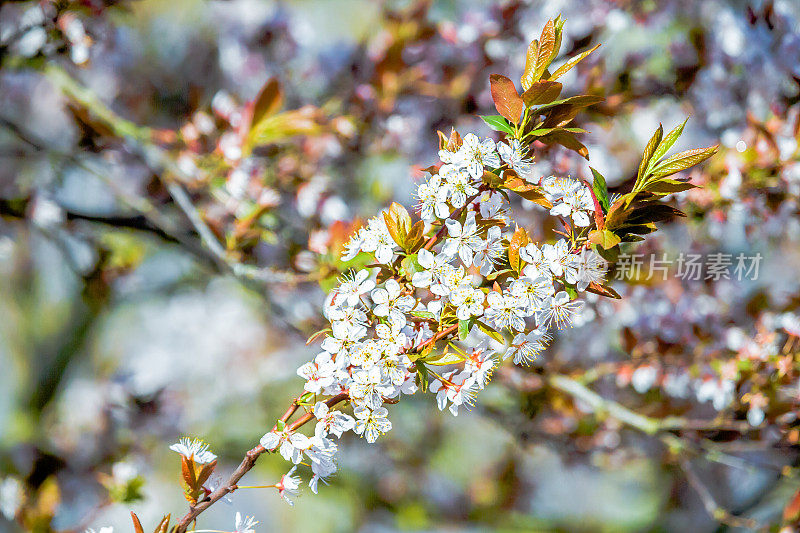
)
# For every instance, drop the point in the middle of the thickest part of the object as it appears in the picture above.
(454, 215)
(247, 464)
(252, 456)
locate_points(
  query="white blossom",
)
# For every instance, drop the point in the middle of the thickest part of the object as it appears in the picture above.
(292, 444)
(591, 269)
(318, 373)
(433, 265)
(459, 388)
(371, 423)
(490, 251)
(504, 311)
(289, 486)
(526, 347)
(378, 240)
(433, 199)
(557, 309)
(330, 421)
(463, 239)
(459, 186)
(390, 302)
(194, 449)
(352, 287)
(475, 154)
(513, 154)
(244, 525)
(468, 300)
(479, 364)
(369, 387)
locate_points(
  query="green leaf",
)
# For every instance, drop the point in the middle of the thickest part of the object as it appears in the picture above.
(423, 314)
(541, 132)
(668, 186)
(445, 358)
(581, 100)
(566, 67)
(398, 222)
(648, 151)
(491, 332)
(547, 43)
(415, 237)
(422, 375)
(527, 190)
(603, 290)
(600, 189)
(463, 328)
(498, 123)
(683, 160)
(604, 238)
(653, 212)
(137, 525)
(497, 273)
(609, 255)
(667, 142)
(527, 78)
(268, 102)
(567, 140)
(163, 526)
(558, 27)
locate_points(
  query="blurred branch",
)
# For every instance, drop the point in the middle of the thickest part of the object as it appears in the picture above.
(139, 139)
(150, 220)
(718, 513)
(646, 424)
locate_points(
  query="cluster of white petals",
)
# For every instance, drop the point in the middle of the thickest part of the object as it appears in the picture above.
(457, 291)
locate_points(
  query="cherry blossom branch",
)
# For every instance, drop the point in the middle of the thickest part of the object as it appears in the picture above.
(246, 465)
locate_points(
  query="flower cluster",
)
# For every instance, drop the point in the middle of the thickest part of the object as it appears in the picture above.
(433, 305)
(448, 300)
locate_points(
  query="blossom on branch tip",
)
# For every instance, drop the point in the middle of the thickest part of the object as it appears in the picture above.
(475, 154)
(526, 347)
(245, 524)
(513, 154)
(194, 449)
(289, 486)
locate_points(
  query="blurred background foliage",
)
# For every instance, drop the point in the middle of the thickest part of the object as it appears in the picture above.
(136, 133)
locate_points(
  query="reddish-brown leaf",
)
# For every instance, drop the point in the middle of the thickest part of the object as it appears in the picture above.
(506, 98)
(137, 525)
(268, 101)
(541, 92)
(547, 43)
(602, 290)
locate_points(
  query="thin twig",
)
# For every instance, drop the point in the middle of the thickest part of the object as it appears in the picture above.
(718, 513)
(139, 138)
